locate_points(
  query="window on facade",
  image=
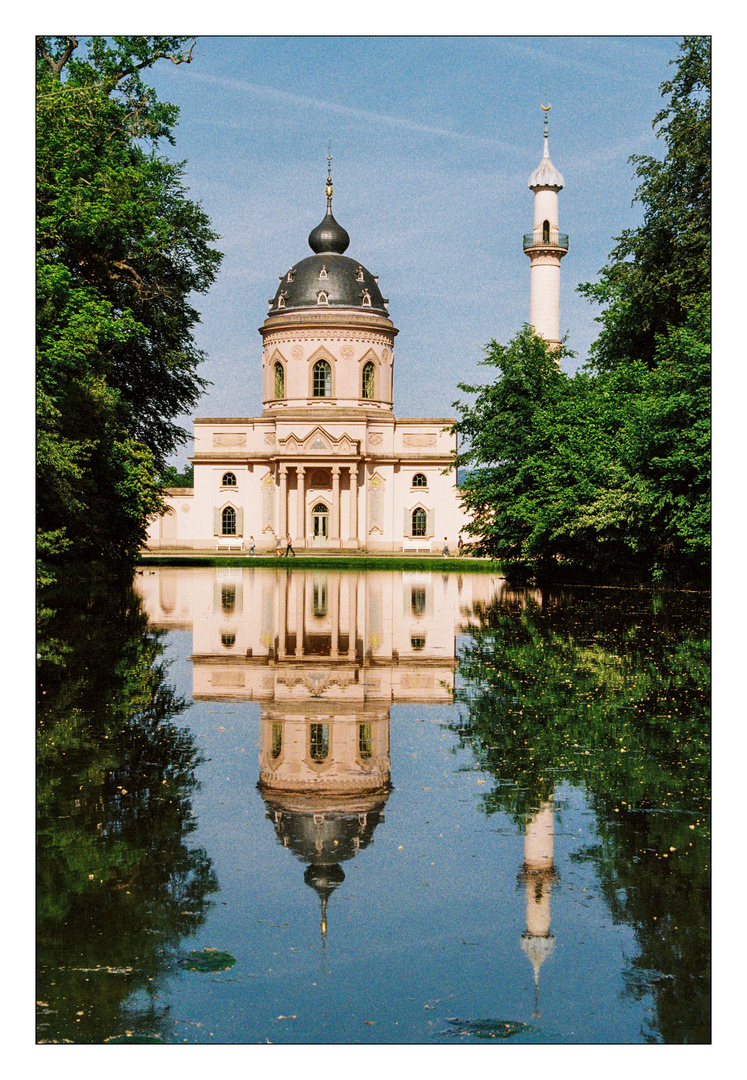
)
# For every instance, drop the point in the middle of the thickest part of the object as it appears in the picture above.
(277, 740)
(228, 640)
(369, 374)
(279, 380)
(228, 598)
(365, 740)
(322, 379)
(417, 600)
(419, 480)
(228, 521)
(319, 741)
(417, 642)
(418, 522)
(546, 231)
(229, 480)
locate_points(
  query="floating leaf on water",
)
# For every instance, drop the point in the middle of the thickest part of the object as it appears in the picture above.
(207, 960)
(487, 1029)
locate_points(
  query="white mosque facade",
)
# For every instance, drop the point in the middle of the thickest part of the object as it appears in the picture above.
(327, 461)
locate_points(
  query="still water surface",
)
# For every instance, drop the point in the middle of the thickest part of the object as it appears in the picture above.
(289, 806)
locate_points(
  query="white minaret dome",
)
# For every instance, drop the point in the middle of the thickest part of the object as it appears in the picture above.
(546, 175)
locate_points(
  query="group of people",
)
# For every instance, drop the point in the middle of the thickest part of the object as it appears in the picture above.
(289, 546)
(446, 552)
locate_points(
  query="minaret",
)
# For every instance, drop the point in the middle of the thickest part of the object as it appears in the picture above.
(545, 247)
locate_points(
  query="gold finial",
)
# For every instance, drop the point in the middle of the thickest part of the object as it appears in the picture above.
(329, 177)
(546, 109)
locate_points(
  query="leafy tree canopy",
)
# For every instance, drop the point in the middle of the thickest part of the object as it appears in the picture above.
(658, 271)
(121, 250)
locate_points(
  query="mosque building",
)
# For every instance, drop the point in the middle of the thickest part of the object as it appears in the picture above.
(327, 462)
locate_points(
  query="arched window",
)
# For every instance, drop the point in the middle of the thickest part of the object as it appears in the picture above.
(546, 231)
(277, 740)
(418, 522)
(228, 640)
(369, 376)
(279, 380)
(229, 480)
(319, 741)
(365, 740)
(320, 521)
(419, 480)
(322, 379)
(228, 521)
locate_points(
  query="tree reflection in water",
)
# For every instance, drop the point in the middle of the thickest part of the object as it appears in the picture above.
(609, 691)
(118, 885)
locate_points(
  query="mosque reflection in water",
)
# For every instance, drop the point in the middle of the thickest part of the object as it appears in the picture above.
(326, 654)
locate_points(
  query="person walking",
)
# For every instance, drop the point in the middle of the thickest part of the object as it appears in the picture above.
(251, 546)
(278, 547)
(289, 546)
(445, 551)
(460, 544)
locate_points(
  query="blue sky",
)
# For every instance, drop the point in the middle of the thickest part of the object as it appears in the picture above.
(433, 141)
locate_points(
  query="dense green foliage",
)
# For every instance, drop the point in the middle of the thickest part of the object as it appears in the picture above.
(171, 477)
(607, 472)
(119, 881)
(609, 692)
(120, 250)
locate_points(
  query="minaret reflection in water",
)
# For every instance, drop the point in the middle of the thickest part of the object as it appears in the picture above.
(326, 654)
(538, 874)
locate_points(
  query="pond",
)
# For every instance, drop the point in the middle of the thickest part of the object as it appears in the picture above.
(296, 806)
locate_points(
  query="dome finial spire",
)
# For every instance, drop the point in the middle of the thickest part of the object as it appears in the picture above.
(546, 109)
(329, 178)
(328, 235)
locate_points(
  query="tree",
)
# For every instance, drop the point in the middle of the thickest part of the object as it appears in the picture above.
(660, 270)
(120, 250)
(546, 492)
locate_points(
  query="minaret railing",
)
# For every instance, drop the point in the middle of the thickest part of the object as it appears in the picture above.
(558, 240)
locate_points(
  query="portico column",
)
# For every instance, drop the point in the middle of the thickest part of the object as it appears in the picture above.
(354, 501)
(301, 517)
(283, 512)
(335, 523)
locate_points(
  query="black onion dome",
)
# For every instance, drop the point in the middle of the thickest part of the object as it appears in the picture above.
(329, 235)
(328, 280)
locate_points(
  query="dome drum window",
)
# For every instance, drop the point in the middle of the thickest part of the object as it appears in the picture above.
(322, 297)
(420, 480)
(229, 480)
(368, 380)
(322, 379)
(279, 380)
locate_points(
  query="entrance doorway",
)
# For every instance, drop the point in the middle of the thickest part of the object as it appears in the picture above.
(320, 524)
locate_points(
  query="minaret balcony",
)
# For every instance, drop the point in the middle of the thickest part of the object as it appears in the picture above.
(559, 241)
